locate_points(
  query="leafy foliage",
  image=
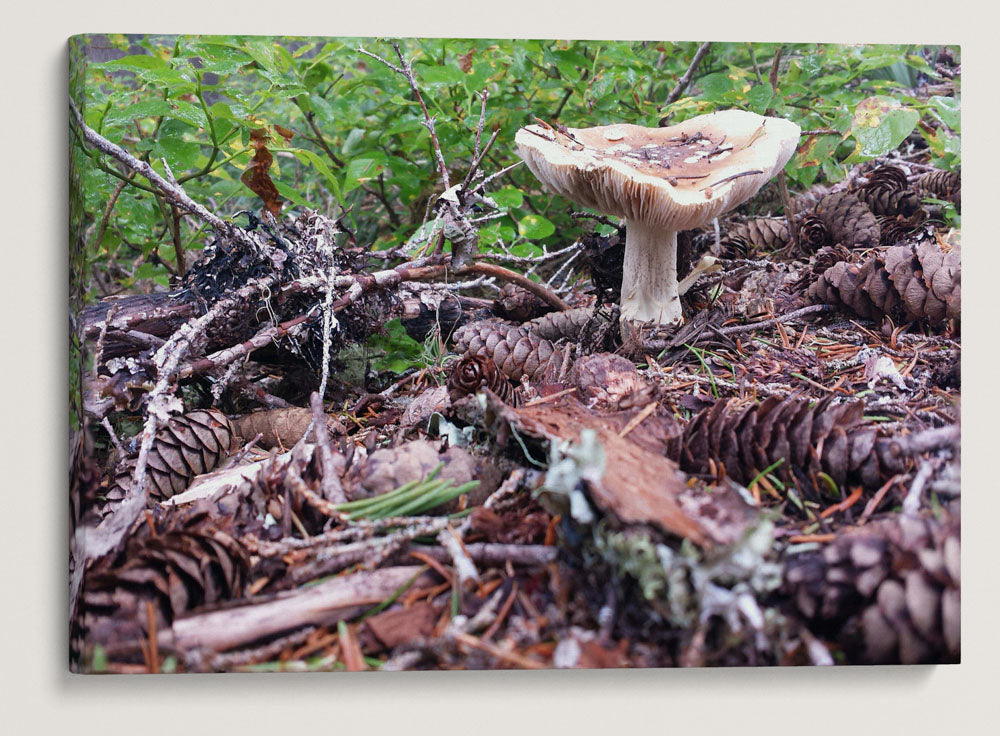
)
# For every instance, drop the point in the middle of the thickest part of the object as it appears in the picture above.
(350, 136)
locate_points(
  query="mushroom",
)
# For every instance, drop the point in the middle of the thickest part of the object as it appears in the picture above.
(661, 180)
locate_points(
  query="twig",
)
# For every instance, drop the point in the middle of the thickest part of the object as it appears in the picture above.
(171, 191)
(539, 290)
(685, 80)
(911, 504)
(329, 483)
(811, 309)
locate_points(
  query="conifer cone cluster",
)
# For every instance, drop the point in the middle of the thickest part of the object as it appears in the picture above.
(190, 563)
(804, 438)
(518, 304)
(888, 193)
(906, 282)
(887, 592)
(473, 372)
(517, 352)
(945, 185)
(849, 220)
(187, 446)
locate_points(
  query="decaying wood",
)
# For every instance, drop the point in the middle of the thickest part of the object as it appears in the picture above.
(322, 604)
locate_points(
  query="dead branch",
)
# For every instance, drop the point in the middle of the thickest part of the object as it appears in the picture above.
(685, 80)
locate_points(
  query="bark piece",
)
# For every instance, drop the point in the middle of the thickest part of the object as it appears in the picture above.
(637, 486)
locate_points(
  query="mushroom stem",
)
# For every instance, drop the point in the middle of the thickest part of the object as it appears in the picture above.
(649, 278)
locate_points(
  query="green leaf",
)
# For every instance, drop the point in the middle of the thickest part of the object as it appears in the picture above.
(507, 197)
(439, 75)
(879, 125)
(137, 62)
(181, 155)
(535, 227)
(760, 97)
(399, 350)
(950, 111)
(715, 86)
(362, 169)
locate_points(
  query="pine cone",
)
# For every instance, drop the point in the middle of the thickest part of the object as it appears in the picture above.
(813, 233)
(887, 178)
(189, 445)
(849, 220)
(473, 372)
(516, 352)
(888, 592)
(518, 304)
(563, 325)
(761, 233)
(885, 202)
(808, 438)
(893, 230)
(906, 282)
(189, 564)
(945, 185)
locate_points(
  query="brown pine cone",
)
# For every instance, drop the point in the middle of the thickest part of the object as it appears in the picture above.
(760, 233)
(890, 202)
(805, 438)
(563, 325)
(610, 382)
(849, 220)
(887, 592)
(945, 185)
(517, 304)
(189, 564)
(473, 372)
(516, 352)
(189, 445)
(813, 233)
(893, 230)
(906, 282)
(887, 178)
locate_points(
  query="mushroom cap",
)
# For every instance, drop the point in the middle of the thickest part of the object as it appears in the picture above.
(677, 178)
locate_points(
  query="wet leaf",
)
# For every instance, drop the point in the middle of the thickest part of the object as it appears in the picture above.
(880, 124)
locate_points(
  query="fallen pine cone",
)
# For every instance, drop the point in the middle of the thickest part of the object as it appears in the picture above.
(187, 446)
(848, 220)
(902, 573)
(760, 233)
(516, 352)
(189, 564)
(281, 427)
(518, 304)
(564, 325)
(906, 282)
(888, 193)
(946, 185)
(804, 439)
(473, 372)
(813, 233)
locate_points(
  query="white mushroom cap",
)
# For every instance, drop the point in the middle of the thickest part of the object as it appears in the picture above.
(675, 178)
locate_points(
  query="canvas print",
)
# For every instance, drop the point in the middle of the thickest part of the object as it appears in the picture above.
(436, 354)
